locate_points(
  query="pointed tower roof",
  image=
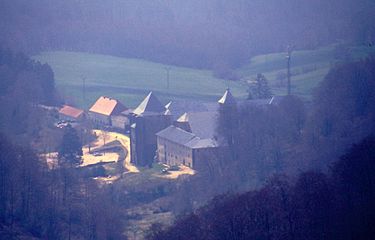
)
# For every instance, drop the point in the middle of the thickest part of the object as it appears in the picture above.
(167, 112)
(150, 104)
(227, 98)
(183, 118)
(168, 105)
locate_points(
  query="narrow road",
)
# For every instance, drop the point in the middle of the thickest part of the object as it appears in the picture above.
(109, 156)
(125, 142)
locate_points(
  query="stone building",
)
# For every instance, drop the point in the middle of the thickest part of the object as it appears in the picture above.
(146, 120)
(121, 121)
(104, 109)
(190, 141)
(156, 132)
(71, 114)
(179, 147)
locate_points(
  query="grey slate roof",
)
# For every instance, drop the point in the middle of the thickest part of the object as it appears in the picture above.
(179, 107)
(202, 124)
(184, 138)
(176, 135)
(201, 120)
(212, 106)
(197, 143)
(150, 105)
(227, 98)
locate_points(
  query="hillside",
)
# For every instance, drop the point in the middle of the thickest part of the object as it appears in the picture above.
(129, 80)
(195, 33)
(308, 67)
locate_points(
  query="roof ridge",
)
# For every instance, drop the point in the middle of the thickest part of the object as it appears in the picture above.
(227, 98)
(150, 104)
(107, 106)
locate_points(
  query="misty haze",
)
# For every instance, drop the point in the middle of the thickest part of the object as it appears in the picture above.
(195, 119)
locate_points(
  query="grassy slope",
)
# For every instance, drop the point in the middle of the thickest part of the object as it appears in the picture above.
(308, 68)
(129, 80)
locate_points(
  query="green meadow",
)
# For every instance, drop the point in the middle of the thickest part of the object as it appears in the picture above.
(308, 68)
(129, 80)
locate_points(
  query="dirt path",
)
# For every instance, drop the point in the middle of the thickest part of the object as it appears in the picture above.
(90, 158)
(125, 142)
(109, 137)
(175, 174)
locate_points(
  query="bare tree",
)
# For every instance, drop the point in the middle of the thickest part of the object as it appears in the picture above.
(105, 137)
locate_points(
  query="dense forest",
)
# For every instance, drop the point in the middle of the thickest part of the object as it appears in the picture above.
(336, 205)
(207, 34)
(35, 200)
(25, 84)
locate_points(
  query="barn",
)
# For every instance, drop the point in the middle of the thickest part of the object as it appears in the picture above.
(104, 109)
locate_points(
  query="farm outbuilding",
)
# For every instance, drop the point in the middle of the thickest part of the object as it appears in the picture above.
(72, 114)
(104, 109)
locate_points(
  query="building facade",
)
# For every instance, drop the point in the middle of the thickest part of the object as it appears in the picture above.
(146, 120)
(192, 139)
(71, 114)
(104, 109)
(175, 146)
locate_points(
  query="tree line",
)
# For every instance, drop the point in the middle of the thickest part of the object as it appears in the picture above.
(206, 34)
(38, 202)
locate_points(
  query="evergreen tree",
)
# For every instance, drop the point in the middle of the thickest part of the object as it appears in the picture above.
(70, 151)
(259, 89)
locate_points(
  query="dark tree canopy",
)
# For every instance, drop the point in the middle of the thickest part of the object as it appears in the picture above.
(347, 92)
(201, 33)
(39, 203)
(259, 89)
(339, 205)
(70, 151)
(343, 110)
(24, 84)
(22, 75)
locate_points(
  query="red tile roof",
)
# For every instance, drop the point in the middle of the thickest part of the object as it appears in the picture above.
(107, 106)
(71, 111)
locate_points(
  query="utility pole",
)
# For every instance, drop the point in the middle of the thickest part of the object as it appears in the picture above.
(168, 70)
(288, 58)
(84, 90)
